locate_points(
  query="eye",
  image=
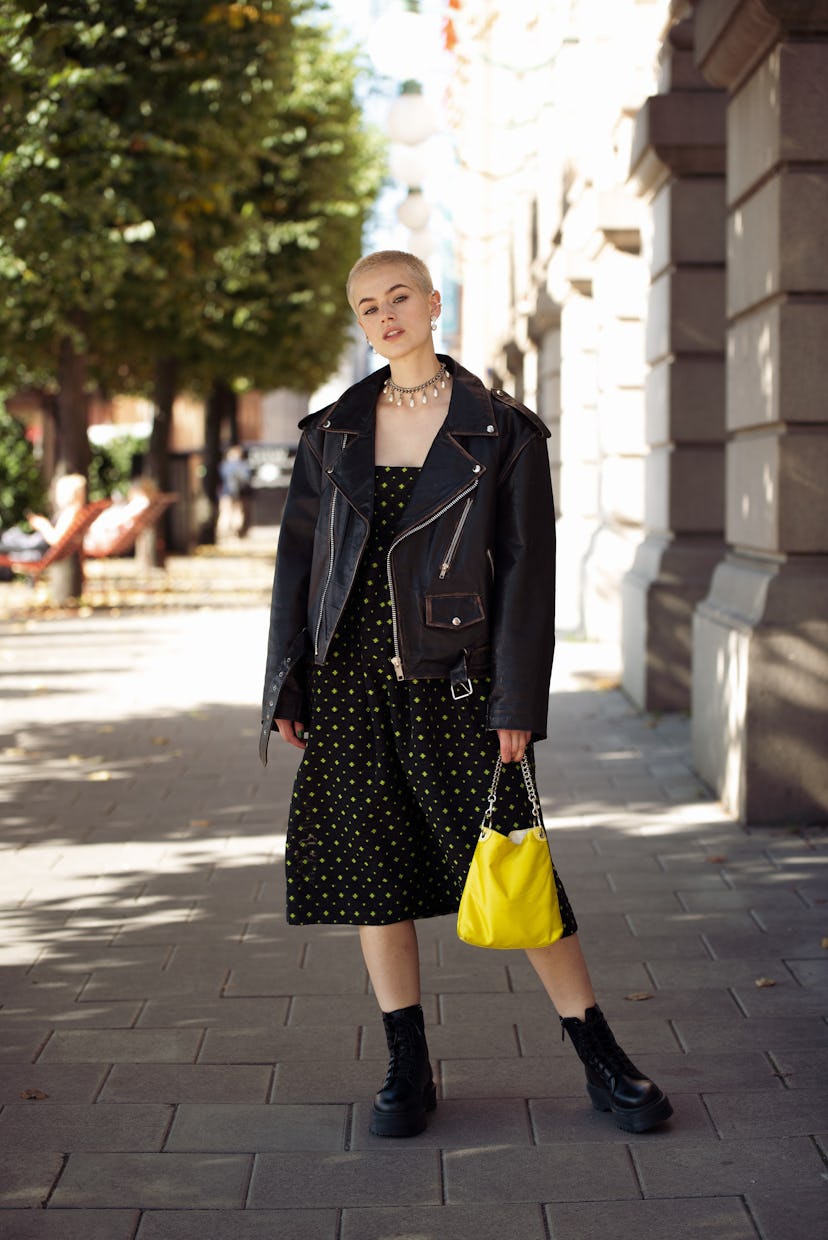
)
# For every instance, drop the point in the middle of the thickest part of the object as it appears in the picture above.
(370, 310)
(401, 297)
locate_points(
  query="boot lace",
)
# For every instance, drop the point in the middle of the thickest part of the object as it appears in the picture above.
(607, 1050)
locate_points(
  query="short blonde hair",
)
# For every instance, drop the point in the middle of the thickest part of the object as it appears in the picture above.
(70, 489)
(415, 267)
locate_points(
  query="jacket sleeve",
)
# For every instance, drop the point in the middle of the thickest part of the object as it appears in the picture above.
(287, 644)
(523, 619)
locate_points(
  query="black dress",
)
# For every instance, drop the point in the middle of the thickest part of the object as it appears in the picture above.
(392, 786)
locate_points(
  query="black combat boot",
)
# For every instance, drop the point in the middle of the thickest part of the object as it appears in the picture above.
(408, 1089)
(613, 1081)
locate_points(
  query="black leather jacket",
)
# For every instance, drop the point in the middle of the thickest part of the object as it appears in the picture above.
(471, 568)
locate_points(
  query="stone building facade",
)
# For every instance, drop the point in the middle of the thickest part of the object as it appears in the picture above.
(642, 217)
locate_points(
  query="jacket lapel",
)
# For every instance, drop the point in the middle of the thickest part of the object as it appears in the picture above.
(450, 466)
(352, 470)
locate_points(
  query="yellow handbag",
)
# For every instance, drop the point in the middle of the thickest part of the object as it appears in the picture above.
(510, 899)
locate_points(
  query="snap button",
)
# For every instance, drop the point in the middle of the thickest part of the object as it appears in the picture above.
(325, 425)
(490, 428)
(456, 620)
(475, 469)
(329, 470)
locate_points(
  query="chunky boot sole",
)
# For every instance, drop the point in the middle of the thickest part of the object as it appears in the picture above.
(404, 1123)
(641, 1119)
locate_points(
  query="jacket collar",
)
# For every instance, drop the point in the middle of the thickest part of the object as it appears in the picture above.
(470, 409)
(451, 468)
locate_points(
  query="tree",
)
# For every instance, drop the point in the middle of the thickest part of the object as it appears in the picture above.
(119, 123)
(274, 311)
(181, 184)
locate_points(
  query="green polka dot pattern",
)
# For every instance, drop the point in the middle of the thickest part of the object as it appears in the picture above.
(391, 789)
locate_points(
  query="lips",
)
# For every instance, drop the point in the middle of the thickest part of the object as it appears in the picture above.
(393, 333)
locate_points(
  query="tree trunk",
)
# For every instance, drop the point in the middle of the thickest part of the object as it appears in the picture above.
(72, 454)
(150, 546)
(221, 405)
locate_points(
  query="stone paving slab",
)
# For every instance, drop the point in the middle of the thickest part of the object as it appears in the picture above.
(239, 1225)
(488, 1222)
(566, 1172)
(65, 1126)
(240, 1128)
(272, 1045)
(68, 1224)
(59, 1082)
(779, 1217)
(789, 1113)
(124, 1046)
(405, 1177)
(681, 1168)
(26, 1177)
(689, 1218)
(208, 1013)
(177, 1083)
(147, 1181)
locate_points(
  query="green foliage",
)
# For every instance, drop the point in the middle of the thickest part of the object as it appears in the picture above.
(184, 181)
(21, 483)
(124, 131)
(111, 465)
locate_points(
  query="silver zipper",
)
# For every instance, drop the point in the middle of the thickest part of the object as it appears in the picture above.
(396, 660)
(334, 498)
(447, 562)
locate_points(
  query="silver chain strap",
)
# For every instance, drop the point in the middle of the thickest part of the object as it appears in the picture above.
(531, 792)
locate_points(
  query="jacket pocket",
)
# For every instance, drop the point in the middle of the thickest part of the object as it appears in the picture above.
(453, 611)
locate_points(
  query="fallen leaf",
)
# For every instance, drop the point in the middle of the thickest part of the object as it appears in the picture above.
(715, 860)
(106, 727)
(160, 740)
(199, 822)
(14, 752)
(99, 776)
(638, 996)
(761, 982)
(33, 1095)
(825, 942)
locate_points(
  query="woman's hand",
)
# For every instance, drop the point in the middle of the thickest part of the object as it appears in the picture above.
(513, 744)
(291, 732)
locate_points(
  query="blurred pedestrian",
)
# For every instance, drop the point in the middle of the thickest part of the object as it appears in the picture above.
(235, 493)
(412, 631)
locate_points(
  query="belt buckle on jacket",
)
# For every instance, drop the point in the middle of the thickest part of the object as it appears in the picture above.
(461, 689)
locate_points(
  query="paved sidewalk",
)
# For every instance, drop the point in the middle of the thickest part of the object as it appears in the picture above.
(176, 1064)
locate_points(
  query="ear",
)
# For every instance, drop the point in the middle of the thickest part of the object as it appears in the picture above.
(436, 303)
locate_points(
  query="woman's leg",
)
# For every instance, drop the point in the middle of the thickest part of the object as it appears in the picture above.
(564, 974)
(392, 959)
(613, 1081)
(407, 1093)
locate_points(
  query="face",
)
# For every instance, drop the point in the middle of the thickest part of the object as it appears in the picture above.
(393, 310)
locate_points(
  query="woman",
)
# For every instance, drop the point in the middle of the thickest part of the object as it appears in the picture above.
(412, 630)
(70, 498)
(114, 521)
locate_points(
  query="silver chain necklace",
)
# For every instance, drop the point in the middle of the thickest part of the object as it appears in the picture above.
(396, 393)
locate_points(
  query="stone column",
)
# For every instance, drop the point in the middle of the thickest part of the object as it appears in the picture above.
(677, 165)
(545, 332)
(618, 288)
(760, 668)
